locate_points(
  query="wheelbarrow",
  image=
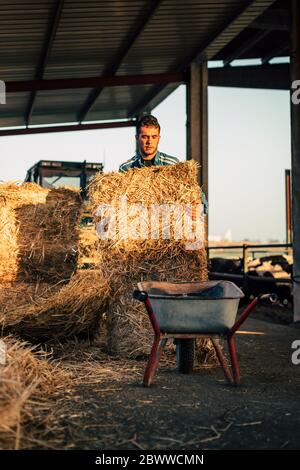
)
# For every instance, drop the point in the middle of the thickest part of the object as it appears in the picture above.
(185, 311)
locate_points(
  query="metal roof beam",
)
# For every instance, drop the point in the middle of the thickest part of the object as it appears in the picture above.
(242, 19)
(76, 127)
(246, 46)
(89, 82)
(50, 37)
(273, 20)
(276, 52)
(145, 101)
(120, 56)
(271, 77)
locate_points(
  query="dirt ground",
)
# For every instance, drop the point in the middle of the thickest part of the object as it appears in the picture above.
(110, 409)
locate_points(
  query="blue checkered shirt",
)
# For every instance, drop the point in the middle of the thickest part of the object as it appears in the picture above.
(160, 159)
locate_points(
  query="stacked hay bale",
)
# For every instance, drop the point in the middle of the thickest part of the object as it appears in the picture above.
(8, 243)
(27, 381)
(127, 257)
(39, 232)
(88, 254)
(41, 296)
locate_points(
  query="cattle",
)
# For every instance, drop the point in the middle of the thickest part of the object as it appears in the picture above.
(266, 267)
(224, 265)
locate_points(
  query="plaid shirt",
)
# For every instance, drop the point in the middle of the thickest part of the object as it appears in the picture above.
(160, 159)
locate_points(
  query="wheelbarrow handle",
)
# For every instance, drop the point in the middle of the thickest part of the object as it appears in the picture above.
(261, 299)
(140, 295)
(267, 298)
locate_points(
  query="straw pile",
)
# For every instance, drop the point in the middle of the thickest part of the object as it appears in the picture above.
(8, 243)
(27, 380)
(59, 311)
(88, 247)
(38, 255)
(126, 260)
(38, 234)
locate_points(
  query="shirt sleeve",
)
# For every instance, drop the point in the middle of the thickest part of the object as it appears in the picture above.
(205, 203)
(123, 168)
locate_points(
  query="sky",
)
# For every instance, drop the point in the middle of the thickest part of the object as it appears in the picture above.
(249, 150)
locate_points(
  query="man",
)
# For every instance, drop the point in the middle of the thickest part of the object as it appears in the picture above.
(148, 137)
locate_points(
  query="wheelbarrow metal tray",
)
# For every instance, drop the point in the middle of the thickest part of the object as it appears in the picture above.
(194, 307)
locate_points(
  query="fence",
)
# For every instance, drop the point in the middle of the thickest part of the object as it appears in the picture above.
(246, 250)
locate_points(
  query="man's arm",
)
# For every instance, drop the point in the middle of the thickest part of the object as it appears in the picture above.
(168, 159)
(123, 168)
(126, 165)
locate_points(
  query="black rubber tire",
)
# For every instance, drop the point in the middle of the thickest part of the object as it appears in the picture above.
(185, 355)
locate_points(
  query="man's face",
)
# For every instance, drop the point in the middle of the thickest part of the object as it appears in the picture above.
(148, 140)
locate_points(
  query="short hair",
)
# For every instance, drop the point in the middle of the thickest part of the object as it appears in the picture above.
(147, 120)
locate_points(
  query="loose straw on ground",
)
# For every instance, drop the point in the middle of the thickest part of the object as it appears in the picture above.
(27, 381)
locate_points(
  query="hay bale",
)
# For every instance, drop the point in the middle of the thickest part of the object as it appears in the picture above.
(26, 382)
(88, 247)
(39, 232)
(18, 294)
(8, 243)
(59, 311)
(126, 260)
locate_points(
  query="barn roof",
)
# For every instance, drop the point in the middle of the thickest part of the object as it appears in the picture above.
(75, 61)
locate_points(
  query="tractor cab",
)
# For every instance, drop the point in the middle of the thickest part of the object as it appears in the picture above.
(54, 174)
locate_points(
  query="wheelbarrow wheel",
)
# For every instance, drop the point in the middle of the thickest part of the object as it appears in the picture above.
(185, 355)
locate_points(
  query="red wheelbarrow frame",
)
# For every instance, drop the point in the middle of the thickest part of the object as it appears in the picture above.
(160, 339)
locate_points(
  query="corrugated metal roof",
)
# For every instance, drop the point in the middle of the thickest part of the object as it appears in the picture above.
(50, 39)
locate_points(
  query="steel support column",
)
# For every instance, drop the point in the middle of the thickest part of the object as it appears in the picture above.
(197, 121)
(295, 141)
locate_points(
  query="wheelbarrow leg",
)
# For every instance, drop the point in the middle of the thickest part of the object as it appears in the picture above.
(156, 351)
(222, 360)
(234, 361)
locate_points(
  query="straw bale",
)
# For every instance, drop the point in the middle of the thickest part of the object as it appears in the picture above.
(88, 247)
(15, 294)
(8, 243)
(148, 188)
(127, 260)
(59, 311)
(27, 381)
(39, 232)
